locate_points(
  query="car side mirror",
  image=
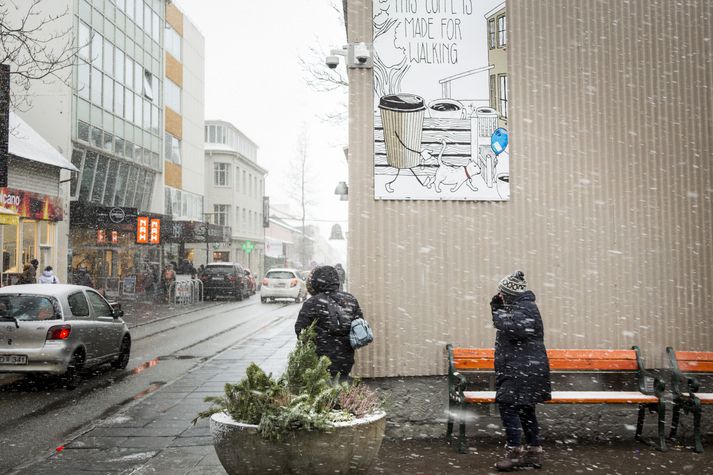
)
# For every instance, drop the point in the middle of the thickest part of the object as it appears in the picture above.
(116, 310)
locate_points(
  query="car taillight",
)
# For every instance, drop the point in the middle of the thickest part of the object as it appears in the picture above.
(59, 332)
(293, 282)
(230, 277)
(265, 282)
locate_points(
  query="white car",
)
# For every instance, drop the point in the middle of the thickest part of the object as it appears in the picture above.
(283, 284)
(60, 329)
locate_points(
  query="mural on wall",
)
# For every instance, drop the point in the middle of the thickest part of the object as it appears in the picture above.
(440, 100)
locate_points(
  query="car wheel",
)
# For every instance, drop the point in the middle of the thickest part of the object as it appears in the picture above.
(71, 378)
(263, 300)
(124, 354)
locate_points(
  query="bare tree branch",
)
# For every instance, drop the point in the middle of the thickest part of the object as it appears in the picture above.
(37, 45)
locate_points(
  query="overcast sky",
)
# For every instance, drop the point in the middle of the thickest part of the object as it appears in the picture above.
(253, 79)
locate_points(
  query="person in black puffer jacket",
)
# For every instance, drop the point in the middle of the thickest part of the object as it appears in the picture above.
(522, 370)
(323, 284)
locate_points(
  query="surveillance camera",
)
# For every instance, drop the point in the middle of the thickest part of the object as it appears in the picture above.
(332, 62)
(361, 53)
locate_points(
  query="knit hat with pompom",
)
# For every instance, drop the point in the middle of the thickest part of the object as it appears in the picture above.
(513, 284)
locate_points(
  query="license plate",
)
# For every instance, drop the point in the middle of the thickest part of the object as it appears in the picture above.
(217, 278)
(281, 285)
(13, 359)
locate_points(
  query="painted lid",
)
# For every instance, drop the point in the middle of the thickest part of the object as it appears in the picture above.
(402, 102)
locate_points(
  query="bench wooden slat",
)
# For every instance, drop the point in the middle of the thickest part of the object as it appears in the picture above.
(694, 355)
(574, 397)
(560, 359)
(602, 365)
(696, 366)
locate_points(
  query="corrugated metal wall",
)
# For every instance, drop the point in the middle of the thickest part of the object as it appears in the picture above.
(610, 214)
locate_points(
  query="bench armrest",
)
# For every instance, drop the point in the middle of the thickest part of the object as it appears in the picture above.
(650, 383)
(456, 385)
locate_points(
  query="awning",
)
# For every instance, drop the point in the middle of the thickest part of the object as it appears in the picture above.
(25, 142)
(8, 217)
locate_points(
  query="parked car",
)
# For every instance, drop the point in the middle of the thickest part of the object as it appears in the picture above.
(283, 283)
(224, 278)
(252, 282)
(60, 329)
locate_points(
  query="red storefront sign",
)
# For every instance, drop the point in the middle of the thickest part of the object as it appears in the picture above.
(155, 231)
(142, 230)
(31, 205)
(101, 236)
(148, 230)
(114, 237)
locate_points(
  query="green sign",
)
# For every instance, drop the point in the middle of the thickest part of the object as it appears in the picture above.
(248, 247)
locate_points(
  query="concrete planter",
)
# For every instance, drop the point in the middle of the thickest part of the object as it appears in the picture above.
(347, 447)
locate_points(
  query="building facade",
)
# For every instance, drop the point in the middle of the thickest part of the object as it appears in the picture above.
(235, 185)
(610, 216)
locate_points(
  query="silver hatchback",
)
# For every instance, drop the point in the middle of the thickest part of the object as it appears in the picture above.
(59, 329)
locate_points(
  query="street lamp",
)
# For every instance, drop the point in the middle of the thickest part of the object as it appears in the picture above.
(342, 190)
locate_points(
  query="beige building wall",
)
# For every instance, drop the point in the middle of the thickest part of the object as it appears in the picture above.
(610, 214)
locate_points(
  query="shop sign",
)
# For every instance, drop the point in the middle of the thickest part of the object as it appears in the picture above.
(101, 236)
(109, 217)
(155, 231)
(195, 232)
(117, 215)
(114, 237)
(142, 230)
(31, 205)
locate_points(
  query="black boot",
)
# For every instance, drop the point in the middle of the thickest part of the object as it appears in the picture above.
(512, 459)
(533, 457)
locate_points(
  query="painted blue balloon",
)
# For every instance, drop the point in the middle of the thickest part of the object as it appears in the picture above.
(499, 141)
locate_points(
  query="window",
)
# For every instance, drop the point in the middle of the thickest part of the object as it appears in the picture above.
(97, 45)
(118, 99)
(77, 155)
(129, 73)
(155, 119)
(212, 134)
(108, 57)
(108, 93)
(222, 174)
(83, 132)
(138, 110)
(99, 305)
(503, 95)
(172, 149)
(245, 188)
(99, 179)
(219, 135)
(154, 28)
(147, 115)
(155, 88)
(237, 179)
(96, 86)
(108, 143)
(221, 215)
(138, 77)
(129, 106)
(130, 8)
(173, 42)
(139, 13)
(83, 80)
(119, 62)
(148, 91)
(90, 163)
(502, 32)
(96, 137)
(172, 95)
(147, 19)
(84, 38)
(30, 308)
(491, 33)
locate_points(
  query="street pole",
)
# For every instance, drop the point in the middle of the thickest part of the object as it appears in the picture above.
(4, 121)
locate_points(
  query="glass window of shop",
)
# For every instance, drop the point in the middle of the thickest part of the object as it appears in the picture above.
(36, 240)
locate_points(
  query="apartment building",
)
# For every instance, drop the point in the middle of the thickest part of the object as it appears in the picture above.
(235, 187)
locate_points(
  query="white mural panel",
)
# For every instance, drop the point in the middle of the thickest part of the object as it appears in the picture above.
(440, 100)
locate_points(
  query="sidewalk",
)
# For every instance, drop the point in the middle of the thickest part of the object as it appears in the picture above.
(155, 435)
(138, 312)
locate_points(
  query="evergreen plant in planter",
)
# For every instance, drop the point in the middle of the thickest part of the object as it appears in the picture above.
(303, 422)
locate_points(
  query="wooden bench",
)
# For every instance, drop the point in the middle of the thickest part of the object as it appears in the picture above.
(649, 396)
(684, 388)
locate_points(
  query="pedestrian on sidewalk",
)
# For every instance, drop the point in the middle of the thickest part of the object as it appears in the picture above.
(28, 275)
(325, 306)
(48, 276)
(522, 370)
(342, 275)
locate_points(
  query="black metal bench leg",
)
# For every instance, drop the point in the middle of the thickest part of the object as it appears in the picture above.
(640, 421)
(697, 428)
(449, 427)
(674, 420)
(661, 410)
(462, 445)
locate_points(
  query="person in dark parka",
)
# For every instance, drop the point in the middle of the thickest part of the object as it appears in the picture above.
(323, 284)
(522, 369)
